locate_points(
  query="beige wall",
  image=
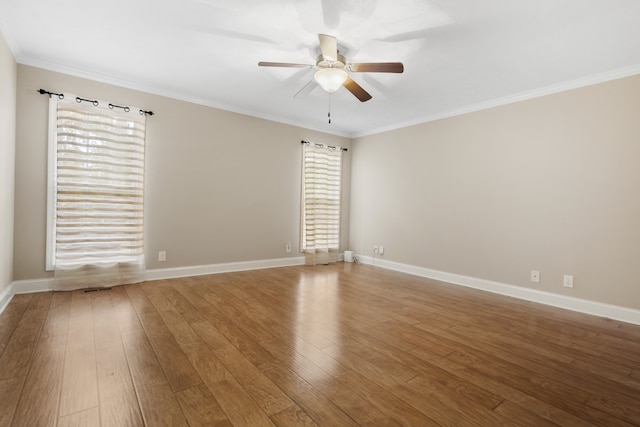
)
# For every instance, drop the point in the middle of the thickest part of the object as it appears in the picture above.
(220, 187)
(549, 184)
(7, 161)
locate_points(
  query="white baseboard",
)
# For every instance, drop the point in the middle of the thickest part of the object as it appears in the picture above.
(5, 297)
(44, 285)
(622, 314)
(570, 303)
(24, 287)
(31, 286)
(200, 270)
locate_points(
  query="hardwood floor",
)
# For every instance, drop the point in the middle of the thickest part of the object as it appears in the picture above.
(339, 345)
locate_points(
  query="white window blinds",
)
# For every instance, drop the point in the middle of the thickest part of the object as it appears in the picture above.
(321, 201)
(97, 188)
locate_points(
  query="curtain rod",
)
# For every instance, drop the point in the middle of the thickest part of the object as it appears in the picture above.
(93, 101)
(322, 145)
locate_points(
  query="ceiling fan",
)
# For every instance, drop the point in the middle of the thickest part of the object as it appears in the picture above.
(332, 68)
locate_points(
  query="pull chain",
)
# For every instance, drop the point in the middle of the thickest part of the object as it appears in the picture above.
(329, 114)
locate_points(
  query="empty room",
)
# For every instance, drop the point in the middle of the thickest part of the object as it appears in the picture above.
(319, 213)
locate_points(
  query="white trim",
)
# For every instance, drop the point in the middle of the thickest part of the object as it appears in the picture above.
(570, 303)
(615, 312)
(548, 90)
(6, 296)
(98, 77)
(523, 96)
(45, 285)
(31, 286)
(200, 270)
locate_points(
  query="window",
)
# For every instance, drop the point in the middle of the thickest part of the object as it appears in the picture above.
(321, 200)
(96, 183)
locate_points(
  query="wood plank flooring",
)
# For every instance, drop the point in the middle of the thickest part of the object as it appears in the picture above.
(339, 345)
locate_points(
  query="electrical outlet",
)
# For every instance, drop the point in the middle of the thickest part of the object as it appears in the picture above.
(381, 249)
(375, 249)
(162, 256)
(535, 276)
(568, 281)
(287, 247)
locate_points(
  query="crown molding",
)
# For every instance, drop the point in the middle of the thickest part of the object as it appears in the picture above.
(522, 96)
(159, 91)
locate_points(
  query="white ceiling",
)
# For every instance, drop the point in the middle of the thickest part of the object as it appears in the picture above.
(459, 55)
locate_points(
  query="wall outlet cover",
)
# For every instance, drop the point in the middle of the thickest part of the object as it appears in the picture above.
(568, 281)
(535, 276)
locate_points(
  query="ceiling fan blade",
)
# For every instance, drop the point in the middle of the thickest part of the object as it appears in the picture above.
(356, 90)
(306, 89)
(329, 47)
(377, 67)
(283, 64)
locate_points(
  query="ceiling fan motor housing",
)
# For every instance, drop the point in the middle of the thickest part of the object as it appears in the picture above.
(341, 62)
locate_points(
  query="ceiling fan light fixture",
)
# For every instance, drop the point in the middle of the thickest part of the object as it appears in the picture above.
(330, 79)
